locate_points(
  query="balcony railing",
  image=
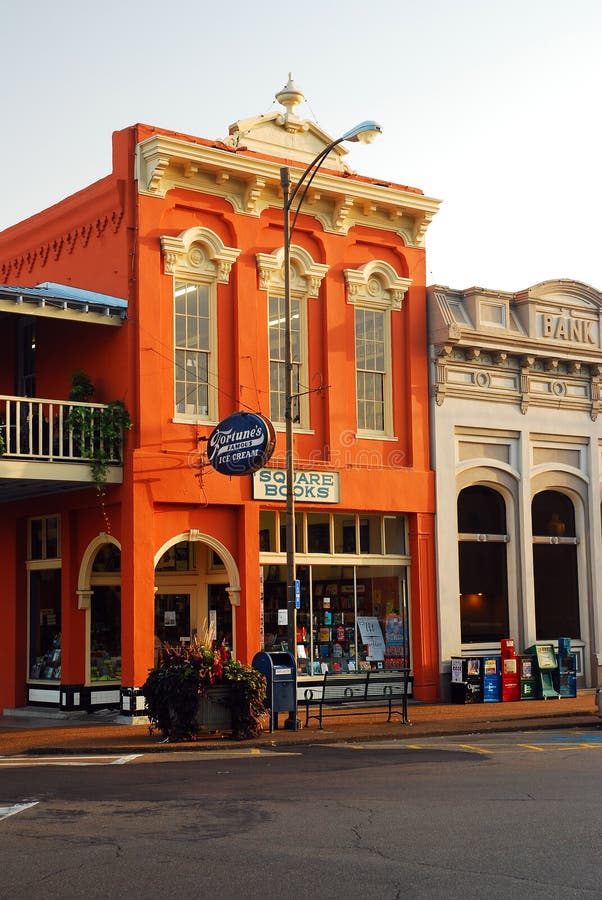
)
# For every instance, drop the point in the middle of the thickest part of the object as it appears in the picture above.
(35, 429)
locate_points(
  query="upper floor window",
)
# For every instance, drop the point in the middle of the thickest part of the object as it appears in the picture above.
(305, 280)
(371, 352)
(199, 261)
(375, 290)
(277, 342)
(194, 319)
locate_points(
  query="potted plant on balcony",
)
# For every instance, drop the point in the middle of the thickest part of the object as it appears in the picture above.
(195, 688)
(96, 432)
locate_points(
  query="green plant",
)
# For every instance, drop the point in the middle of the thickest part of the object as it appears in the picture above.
(96, 430)
(184, 673)
(82, 388)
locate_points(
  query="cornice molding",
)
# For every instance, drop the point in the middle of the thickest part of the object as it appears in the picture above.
(251, 184)
(10, 270)
(376, 284)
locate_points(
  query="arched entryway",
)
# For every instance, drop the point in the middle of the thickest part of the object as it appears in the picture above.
(555, 566)
(483, 568)
(99, 594)
(196, 590)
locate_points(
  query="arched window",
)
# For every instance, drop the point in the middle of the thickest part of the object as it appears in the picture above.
(482, 538)
(555, 566)
(105, 615)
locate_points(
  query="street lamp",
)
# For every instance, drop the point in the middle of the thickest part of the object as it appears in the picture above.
(365, 132)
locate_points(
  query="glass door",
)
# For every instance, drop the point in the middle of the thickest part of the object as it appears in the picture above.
(220, 614)
(172, 620)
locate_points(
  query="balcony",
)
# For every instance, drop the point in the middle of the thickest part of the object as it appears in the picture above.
(41, 454)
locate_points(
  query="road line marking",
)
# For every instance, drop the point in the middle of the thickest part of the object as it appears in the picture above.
(474, 749)
(532, 747)
(6, 811)
(12, 762)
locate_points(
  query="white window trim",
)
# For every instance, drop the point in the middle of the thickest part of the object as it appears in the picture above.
(199, 256)
(305, 280)
(376, 285)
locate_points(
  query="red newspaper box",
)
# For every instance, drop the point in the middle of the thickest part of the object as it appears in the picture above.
(510, 671)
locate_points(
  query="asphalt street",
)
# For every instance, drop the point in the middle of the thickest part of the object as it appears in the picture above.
(504, 815)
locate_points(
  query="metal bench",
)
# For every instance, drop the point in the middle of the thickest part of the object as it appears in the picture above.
(357, 689)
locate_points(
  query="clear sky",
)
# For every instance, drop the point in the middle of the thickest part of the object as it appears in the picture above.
(493, 107)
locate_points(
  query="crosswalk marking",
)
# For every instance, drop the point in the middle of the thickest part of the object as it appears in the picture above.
(6, 811)
(13, 762)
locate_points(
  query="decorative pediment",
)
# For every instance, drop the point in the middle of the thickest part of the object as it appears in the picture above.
(305, 275)
(376, 284)
(563, 292)
(198, 251)
(284, 134)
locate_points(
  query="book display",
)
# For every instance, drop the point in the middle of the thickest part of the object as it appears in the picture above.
(48, 666)
(342, 625)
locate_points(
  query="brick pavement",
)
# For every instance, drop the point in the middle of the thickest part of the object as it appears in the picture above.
(31, 734)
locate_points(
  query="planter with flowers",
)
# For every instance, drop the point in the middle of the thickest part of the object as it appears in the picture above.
(196, 688)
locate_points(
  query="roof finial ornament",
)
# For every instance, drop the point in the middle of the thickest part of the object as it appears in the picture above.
(290, 96)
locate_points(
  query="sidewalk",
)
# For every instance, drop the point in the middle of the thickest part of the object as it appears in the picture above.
(30, 732)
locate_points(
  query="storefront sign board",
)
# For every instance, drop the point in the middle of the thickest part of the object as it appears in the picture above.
(309, 486)
(241, 444)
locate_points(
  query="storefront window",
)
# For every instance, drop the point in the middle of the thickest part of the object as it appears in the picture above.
(44, 598)
(318, 533)
(299, 544)
(105, 615)
(555, 573)
(105, 633)
(482, 563)
(345, 540)
(45, 624)
(351, 617)
(370, 534)
(394, 535)
(267, 531)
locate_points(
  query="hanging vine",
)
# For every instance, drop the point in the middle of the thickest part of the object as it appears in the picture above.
(96, 431)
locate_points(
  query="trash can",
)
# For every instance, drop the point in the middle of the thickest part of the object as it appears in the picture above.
(280, 673)
(466, 680)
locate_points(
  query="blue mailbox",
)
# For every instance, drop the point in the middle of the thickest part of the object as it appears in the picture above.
(280, 671)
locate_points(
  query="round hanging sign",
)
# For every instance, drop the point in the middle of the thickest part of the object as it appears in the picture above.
(241, 443)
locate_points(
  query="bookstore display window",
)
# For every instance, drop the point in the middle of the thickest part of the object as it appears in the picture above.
(45, 624)
(44, 581)
(105, 615)
(334, 533)
(351, 617)
(105, 634)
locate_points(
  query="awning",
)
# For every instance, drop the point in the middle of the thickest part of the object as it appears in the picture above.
(63, 301)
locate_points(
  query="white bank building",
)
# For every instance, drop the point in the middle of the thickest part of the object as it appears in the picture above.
(516, 441)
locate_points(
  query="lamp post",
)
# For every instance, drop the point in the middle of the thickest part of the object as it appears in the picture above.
(365, 132)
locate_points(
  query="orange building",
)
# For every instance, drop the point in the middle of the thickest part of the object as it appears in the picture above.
(163, 283)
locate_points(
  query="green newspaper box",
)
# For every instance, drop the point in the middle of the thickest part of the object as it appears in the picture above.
(547, 669)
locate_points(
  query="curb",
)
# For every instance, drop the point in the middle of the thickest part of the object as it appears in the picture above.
(277, 740)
